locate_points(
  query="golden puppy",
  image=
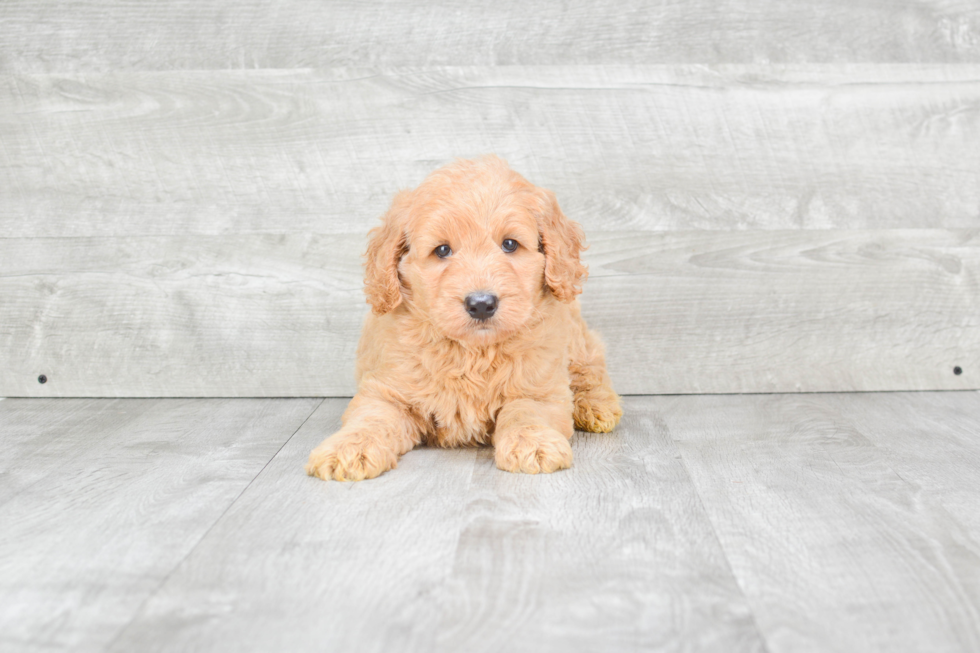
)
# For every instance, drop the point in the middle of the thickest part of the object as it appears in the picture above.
(476, 333)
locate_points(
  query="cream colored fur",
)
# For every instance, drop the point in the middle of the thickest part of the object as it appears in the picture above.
(429, 373)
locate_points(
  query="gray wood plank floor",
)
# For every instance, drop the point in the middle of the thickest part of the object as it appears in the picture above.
(830, 522)
(101, 498)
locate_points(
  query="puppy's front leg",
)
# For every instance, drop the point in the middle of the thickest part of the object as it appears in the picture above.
(532, 436)
(375, 433)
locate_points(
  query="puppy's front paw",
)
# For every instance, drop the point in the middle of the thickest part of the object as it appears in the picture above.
(532, 450)
(597, 410)
(350, 457)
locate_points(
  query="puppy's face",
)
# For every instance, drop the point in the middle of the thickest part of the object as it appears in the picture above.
(474, 250)
(474, 264)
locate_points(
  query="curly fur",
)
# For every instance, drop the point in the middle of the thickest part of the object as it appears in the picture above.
(429, 373)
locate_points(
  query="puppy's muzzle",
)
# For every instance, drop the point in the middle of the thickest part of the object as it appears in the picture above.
(481, 305)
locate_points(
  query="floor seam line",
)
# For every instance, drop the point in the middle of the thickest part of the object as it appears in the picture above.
(721, 547)
(204, 535)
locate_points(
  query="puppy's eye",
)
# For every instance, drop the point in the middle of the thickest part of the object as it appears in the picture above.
(442, 251)
(509, 245)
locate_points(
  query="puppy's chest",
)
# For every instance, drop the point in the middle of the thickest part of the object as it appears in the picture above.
(461, 403)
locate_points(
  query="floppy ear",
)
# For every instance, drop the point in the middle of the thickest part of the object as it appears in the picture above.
(386, 245)
(562, 241)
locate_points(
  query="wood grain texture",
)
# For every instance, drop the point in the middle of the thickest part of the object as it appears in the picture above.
(685, 312)
(613, 555)
(788, 311)
(798, 532)
(55, 35)
(834, 549)
(36, 432)
(728, 147)
(298, 564)
(102, 499)
(932, 440)
(191, 316)
(439, 555)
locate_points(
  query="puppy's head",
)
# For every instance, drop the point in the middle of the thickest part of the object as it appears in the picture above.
(474, 250)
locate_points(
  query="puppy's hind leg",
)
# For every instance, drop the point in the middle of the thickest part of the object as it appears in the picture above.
(596, 404)
(375, 433)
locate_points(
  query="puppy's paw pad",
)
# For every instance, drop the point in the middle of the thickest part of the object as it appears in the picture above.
(534, 451)
(597, 412)
(343, 458)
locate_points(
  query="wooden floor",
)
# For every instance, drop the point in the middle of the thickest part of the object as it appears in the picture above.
(814, 522)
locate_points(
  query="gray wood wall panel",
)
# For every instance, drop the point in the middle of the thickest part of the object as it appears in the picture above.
(788, 311)
(111, 496)
(681, 312)
(184, 185)
(51, 35)
(648, 147)
(254, 315)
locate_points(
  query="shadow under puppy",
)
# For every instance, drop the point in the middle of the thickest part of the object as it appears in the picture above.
(476, 334)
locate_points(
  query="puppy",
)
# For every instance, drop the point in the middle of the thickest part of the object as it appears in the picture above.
(475, 334)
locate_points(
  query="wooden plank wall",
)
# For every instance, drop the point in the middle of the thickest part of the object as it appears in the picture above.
(779, 198)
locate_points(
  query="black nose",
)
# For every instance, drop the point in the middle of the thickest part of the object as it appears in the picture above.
(481, 305)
